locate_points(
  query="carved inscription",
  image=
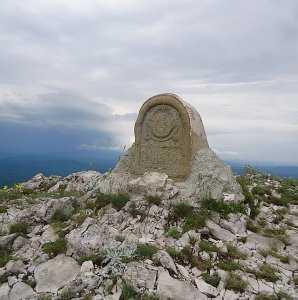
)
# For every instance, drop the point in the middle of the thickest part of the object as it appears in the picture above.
(161, 145)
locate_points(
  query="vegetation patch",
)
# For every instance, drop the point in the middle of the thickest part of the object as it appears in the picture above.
(248, 197)
(195, 221)
(207, 246)
(61, 215)
(235, 253)
(213, 279)
(5, 256)
(174, 233)
(236, 283)
(222, 207)
(229, 265)
(55, 248)
(145, 251)
(267, 273)
(153, 200)
(19, 227)
(3, 209)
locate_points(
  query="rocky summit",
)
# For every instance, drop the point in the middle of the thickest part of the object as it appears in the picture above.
(171, 221)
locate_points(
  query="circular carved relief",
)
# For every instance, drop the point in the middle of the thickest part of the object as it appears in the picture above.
(162, 122)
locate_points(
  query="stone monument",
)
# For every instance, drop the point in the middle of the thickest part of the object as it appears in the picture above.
(168, 133)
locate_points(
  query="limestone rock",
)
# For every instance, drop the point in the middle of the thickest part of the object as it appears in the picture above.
(220, 233)
(80, 181)
(21, 291)
(170, 288)
(55, 273)
(15, 267)
(257, 242)
(210, 177)
(165, 260)
(206, 288)
(154, 184)
(4, 291)
(91, 237)
(140, 275)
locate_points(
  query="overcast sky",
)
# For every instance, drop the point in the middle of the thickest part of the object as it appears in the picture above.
(73, 74)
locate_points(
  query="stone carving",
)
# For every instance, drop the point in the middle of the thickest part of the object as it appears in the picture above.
(168, 132)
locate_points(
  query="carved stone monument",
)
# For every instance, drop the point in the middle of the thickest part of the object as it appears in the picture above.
(168, 132)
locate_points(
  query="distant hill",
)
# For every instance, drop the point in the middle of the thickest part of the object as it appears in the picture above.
(18, 168)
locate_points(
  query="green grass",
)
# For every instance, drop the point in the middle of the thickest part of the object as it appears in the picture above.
(128, 292)
(236, 283)
(267, 273)
(55, 248)
(195, 221)
(213, 279)
(153, 200)
(5, 256)
(61, 215)
(19, 227)
(235, 253)
(222, 207)
(3, 209)
(182, 210)
(279, 296)
(174, 233)
(207, 246)
(174, 253)
(119, 200)
(145, 251)
(229, 265)
(248, 197)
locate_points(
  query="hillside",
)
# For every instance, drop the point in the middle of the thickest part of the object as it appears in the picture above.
(63, 238)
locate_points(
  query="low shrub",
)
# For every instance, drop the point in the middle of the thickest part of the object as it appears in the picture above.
(229, 265)
(174, 233)
(213, 279)
(235, 253)
(153, 200)
(267, 273)
(182, 210)
(3, 209)
(145, 251)
(19, 227)
(119, 200)
(195, 221)
(236, 283)
(207, 246)
(5, 256)
(128, 292)
(55, 248)
(61, 215)
(222, 207)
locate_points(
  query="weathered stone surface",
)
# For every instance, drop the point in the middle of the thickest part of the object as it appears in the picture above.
(154, 184)
(4, 291)
(165, 260)
(168, 132)
(55, 273)
(21, 291)
(220, 233)
(206, 288)
(257, 242)
(170, 288)
(140, 275)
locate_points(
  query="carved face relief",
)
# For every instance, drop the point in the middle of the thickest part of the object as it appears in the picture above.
(161, 147)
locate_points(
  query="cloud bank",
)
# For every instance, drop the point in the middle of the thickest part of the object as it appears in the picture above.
(78, 71)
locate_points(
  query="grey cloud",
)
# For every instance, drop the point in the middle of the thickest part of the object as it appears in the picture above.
(93, 63)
